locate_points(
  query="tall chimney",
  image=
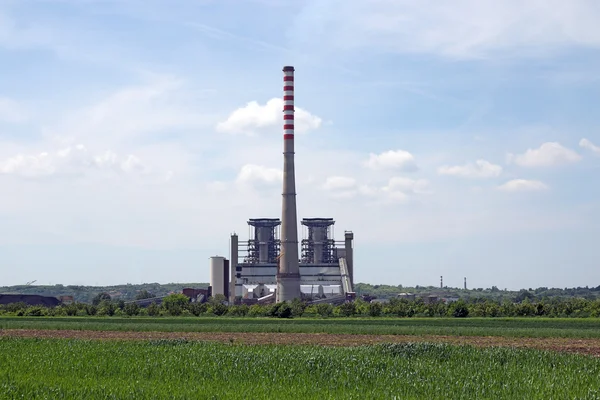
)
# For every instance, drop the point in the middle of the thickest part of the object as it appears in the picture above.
(288, 275)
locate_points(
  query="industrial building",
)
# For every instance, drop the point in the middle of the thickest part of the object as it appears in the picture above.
(325, 265)
(268, 266)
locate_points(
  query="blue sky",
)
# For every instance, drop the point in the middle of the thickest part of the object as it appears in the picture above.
(455, 140)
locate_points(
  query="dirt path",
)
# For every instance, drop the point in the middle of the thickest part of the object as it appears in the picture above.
(582, 346)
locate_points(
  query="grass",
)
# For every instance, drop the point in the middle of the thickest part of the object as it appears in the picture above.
(508, 327)
(77, 369)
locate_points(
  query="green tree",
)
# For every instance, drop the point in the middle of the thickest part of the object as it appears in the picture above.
(459, 309)
(198, 309)
(298, 307)
(325, 310)
(131, 309)
(281, 310)
(106, 308)
(217, 299)
(175, 303)
(153, 310)
(219, 309)
(143, 294)
(347, 309)
(375, 309)
(100, 297)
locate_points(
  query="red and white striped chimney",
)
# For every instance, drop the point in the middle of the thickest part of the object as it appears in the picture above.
(288, 102)
(288, 275)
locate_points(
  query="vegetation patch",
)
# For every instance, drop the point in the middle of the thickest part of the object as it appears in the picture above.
(46, 368)
(506, 327)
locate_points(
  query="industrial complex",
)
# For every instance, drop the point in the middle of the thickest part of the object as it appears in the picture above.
(272, 265)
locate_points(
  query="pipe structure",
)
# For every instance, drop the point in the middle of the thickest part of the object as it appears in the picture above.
(288, 274)
(233, 289)
(348, 239)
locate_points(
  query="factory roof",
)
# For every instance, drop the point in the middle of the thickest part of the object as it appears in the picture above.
(317, 221)
(264, 221)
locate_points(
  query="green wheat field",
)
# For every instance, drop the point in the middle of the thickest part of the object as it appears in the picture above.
(178, 369)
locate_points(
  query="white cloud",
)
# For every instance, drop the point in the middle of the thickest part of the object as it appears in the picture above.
(521, 185)
(251, 174)
(341, 187)
(70, 160)
(587, 144)
(158, 105)
(396, 190)
(254, 117)
(392, 159)
(458, 29)
(11, 111)
(481, 169)
(28, 165)
(547, 155)
(339, 182)
(407, 185)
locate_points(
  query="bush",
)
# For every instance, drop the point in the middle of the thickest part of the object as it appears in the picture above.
(238, 311)
(100, 297)
(325, 310)
(375, 309)
(347, 309)
(143, 312)
(174, 304)
(198, 309)
(106, 308)
(153, 310)
(219, 309)
(298, 307)
(131, 309)
(460, 309)
(13, 308)
(256, 310)
(36, 311)
(91, 310)
(284, 311)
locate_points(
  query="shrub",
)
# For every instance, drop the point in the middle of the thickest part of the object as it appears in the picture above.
(256, 310)
(284, 311)
(347, 309)
(131, 309)
(460, 309)
(218, 309)
(298, 307)
(198, 309)
(375, 309)
(325, 310)
(175, 303)
(153, 310)
(36, 311)
(238, 311)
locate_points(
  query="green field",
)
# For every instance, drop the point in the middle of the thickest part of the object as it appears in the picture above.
(79, 369)
(509, 327)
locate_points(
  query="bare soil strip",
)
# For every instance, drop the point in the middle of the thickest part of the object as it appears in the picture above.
(581, 346)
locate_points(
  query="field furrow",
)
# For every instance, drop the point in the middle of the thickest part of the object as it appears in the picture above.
(581, 346)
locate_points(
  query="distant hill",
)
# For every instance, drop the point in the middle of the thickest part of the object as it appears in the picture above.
(493, 293)
(85, 294)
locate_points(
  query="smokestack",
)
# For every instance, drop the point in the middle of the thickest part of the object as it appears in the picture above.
(288, 275)
(441, 282)
(465, 283)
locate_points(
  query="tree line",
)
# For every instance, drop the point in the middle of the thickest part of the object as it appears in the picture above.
(180, 305)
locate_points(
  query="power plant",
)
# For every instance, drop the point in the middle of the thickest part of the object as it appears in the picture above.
(269, 267)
